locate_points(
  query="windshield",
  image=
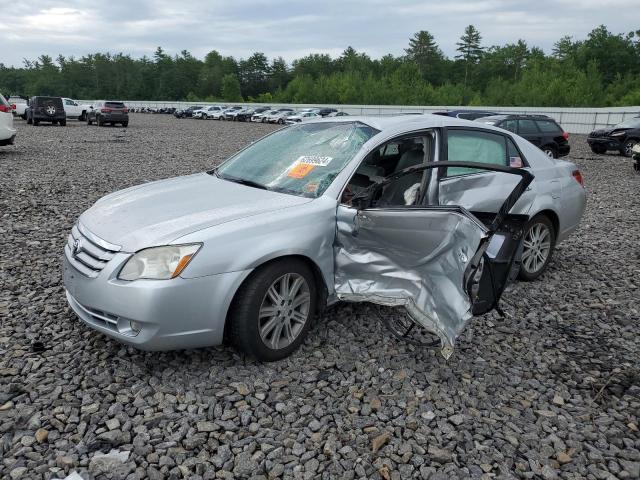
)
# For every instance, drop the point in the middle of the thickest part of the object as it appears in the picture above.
(631, 123)
(301, 160)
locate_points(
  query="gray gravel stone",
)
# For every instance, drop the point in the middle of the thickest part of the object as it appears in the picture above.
(552, 389)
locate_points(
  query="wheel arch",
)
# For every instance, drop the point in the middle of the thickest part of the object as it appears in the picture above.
(553, 216)
(321, 284)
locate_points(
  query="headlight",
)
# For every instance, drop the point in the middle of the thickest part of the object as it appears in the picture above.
(159, 263)
(618, 134)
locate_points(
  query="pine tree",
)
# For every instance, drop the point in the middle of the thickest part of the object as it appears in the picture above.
(470, 50)
(424, 51)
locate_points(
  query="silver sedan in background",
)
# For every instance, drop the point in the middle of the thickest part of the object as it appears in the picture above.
(429, 213)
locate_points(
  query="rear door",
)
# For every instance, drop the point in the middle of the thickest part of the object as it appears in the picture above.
(528, 129)
(440, 263)
(478, 190)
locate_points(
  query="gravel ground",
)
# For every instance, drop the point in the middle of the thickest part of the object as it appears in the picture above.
(550, 391)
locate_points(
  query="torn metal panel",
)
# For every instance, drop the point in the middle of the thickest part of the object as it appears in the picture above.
(414, 257)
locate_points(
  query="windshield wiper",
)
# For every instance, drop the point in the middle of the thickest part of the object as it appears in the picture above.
(242, 181)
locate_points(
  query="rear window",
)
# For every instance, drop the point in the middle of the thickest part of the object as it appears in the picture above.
(548, 126)
(114, 104)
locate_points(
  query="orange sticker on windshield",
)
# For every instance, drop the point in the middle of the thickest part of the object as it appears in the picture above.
(300, 170)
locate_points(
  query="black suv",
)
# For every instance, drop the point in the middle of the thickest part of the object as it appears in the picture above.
(46, 109)
(621, 137)
(107, 111)
(187, 112)
(540, 130)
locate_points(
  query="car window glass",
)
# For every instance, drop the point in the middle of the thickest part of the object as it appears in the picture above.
(527, 127)
(511, 125)
(302, 160)
(68, 102)
(474, 146)
(114, 104)
(548, 126)
(386, 160)
(515, 159)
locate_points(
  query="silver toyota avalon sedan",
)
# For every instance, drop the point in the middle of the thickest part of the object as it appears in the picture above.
(433, 214)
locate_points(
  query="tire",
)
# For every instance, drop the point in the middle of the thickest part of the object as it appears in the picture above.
(550, 151)
(99, 121)
(63, 123)
(89, 121)
(280, 121)
(23, 116)
(83, 116)
(54, 122)
(536, 240)
(125, 124)
(628, 146)
(250, 333)
(599, 149)
(35, 122)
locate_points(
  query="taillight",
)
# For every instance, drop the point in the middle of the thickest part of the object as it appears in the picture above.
(5, 108)
(13, 106)
(105, 110)
(125, 110)
(565, 135)
(578, 177)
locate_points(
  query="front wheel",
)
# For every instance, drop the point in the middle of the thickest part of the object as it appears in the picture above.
(272, 311)
(627, 150)
(539, 242)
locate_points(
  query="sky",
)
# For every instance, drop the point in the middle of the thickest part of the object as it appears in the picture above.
(290, 29)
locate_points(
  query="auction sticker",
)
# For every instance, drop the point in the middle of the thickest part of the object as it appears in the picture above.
(300, 170)
(315, 160)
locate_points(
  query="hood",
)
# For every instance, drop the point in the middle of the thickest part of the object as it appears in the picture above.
(158, 213)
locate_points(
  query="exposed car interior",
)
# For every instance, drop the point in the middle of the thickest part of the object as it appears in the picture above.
(390, 158)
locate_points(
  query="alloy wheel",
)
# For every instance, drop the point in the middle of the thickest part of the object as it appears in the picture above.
(628, 148)
(284, 311)
(51, 110)
(537, 246)
(549, 152)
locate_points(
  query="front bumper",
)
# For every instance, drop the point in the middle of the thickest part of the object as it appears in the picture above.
(170, 314)
(607, 142)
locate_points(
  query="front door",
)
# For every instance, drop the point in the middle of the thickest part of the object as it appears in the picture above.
(439, 262)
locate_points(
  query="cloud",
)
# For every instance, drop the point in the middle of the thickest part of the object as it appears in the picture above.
(290, 28)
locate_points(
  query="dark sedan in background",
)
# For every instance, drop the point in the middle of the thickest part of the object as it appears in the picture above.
(621, 137)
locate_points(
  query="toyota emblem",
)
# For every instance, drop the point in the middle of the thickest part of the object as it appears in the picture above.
(77, 246)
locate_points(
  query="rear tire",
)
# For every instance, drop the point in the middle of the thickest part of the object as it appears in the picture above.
(82, 117)
(29, 120)
(99, 121)
(539, 243)
(35, 122)
(550, 151)
(63, 123)
(89, 121)
(272, 311)
(125, 124)
(599, 149)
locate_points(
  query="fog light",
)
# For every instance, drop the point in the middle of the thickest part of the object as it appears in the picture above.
(135, 326)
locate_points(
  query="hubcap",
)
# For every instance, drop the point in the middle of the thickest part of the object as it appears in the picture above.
(549, 153)
(284, 311)
(628, 148)
(51, 109)
(537, 245)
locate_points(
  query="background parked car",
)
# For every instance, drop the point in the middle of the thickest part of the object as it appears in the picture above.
(275, 115)
(19, 105)
(7, 132)
(187, 112)
(230, 112)
(621, 137)
(262, 116)
(466, 114)
(108, 111)
(46, 109)
(540, 130)
(302, 117)
(246, 115)
(209, 111)
(325, 112)
(73, 109)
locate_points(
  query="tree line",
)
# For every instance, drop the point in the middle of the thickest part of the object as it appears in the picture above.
(601, 70)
